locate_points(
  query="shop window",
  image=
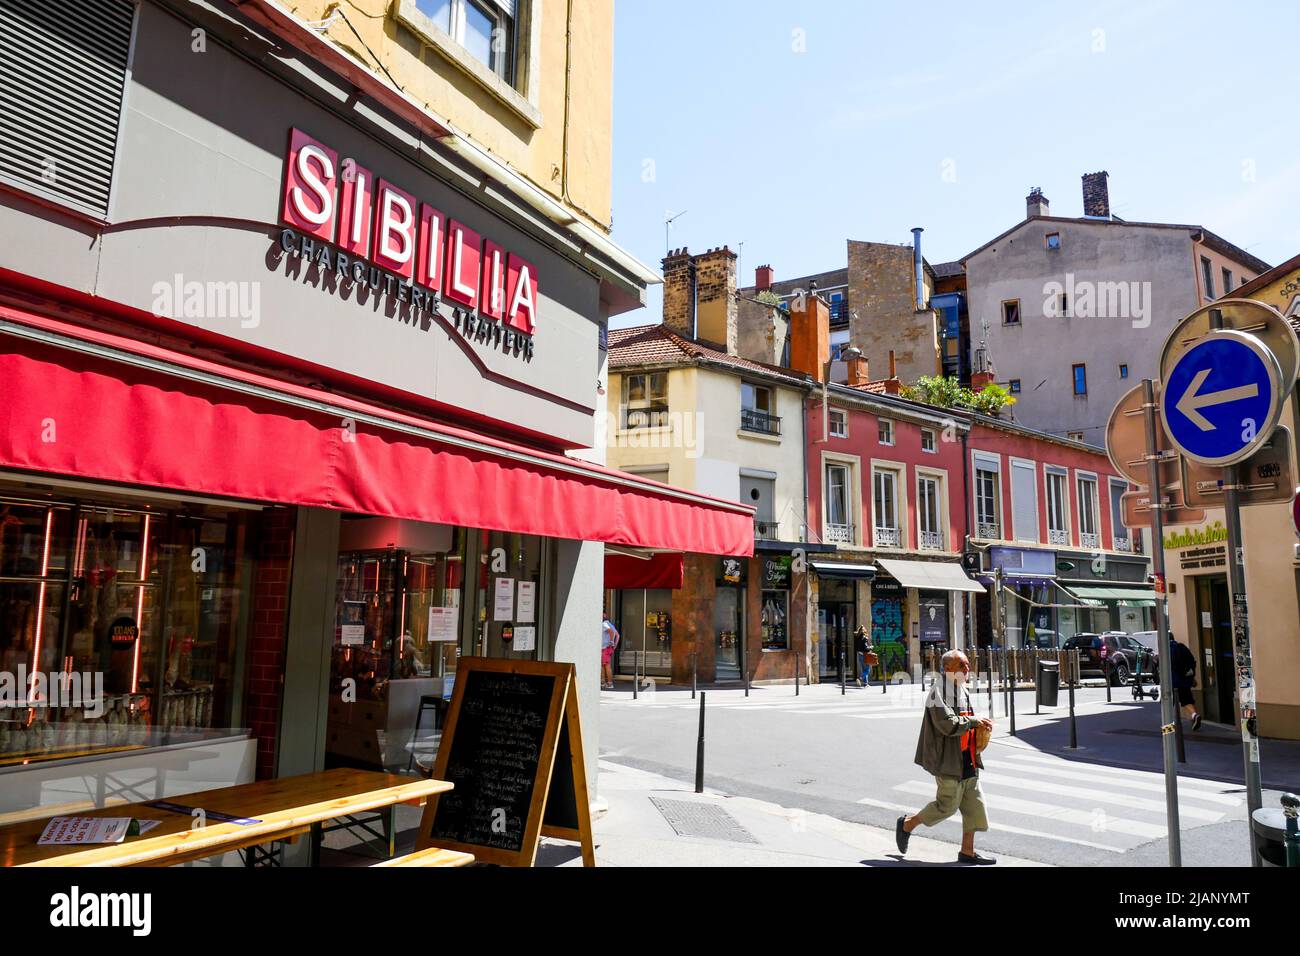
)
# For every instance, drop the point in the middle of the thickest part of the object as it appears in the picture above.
(146, 608)
(646, 625)
(645, 400)
(774, 616)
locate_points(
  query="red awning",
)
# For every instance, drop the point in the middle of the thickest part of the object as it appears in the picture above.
(662, 570)
(84, 403)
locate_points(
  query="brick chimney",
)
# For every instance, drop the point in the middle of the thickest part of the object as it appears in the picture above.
(810, 337)
(679, 292)
(1096, 195)
(715, 297)
(859, 373)
(762, 278)
(892, 384)
(1036, 204)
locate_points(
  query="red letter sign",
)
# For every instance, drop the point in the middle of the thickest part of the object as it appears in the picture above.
(494, 280)
(310, 177)
(428, 265)
(460, 274)
(354, 209)
(522, 298)
(395, 230)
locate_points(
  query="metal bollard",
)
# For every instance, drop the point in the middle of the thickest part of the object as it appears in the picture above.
(1011, 696)
(746, 680)
(842, 691)
(1106, 674)
(1074, 730)
(636, 681)
(796, 674)
(1290, 809)
(699, 751)
(695, 673)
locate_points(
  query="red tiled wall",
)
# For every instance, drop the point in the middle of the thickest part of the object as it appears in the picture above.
(274, 552)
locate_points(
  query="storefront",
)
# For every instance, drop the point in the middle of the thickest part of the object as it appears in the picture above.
(639, 599)
(933, 597)
(278, 454)
(842, 589)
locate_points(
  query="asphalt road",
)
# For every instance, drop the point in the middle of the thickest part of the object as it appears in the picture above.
(851, 757)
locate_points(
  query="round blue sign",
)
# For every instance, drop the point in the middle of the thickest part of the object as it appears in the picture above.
(1220, 399)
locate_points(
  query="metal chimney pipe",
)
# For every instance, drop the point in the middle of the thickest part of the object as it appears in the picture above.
(916, 267)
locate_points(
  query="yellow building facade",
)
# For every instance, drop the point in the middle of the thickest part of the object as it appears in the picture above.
(1199, 604)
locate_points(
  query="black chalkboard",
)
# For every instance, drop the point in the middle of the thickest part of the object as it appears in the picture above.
(509, 752)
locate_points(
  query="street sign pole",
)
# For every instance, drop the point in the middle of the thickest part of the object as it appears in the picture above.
(1245, 671)
(1168, 715)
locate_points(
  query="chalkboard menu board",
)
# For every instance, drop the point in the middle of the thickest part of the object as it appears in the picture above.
(512, 750)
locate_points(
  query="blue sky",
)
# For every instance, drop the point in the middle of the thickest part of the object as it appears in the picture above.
(792, 127)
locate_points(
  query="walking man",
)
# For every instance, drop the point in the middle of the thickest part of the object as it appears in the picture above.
(1183, 678)
(609, 638)
(947, 750)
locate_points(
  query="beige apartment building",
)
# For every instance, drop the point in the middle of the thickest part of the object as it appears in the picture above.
(1196, 567)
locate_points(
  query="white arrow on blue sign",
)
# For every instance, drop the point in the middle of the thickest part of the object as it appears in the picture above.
(1222, 398)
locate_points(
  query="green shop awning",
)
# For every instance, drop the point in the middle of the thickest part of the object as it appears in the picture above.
(1128, 597)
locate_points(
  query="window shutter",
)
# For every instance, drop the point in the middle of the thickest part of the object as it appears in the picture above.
(62, 79)
(1024, 501)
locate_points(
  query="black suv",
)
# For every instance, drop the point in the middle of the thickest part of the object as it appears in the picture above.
(1113, 653)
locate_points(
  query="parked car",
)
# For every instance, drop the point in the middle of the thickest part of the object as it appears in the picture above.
(1123, 656)
(1114, 653)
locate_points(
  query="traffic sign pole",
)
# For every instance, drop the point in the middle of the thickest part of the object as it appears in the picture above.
(1245, 671)
(1168, 715)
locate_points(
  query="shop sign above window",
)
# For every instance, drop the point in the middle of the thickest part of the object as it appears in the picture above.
(732, 570)
(343, 218)
(776, 572)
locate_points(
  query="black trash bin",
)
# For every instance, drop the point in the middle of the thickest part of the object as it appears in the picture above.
(1269, 824)
(1047, 682)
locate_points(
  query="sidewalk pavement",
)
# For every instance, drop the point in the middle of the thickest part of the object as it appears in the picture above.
(742, 832)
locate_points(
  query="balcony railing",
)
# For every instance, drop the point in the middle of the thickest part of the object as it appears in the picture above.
(767, 530)
(839, 534)
(931, 541)
(1059, 538)
(988, 531)
(1124, 544)
(651, 416)
(887, 537)
(753, 420)
(1088, 540)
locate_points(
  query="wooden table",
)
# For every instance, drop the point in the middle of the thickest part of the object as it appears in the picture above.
(285, 808)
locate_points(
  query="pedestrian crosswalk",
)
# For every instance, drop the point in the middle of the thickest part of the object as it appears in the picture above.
(1032, 793)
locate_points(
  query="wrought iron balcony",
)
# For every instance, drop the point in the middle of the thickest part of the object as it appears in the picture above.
(1089, 540)
(887, 537)
(838, 534)
(1058, 538)
(988, 531)
(931, 541)
(753, 420)
(1124, 544)
(767, 530)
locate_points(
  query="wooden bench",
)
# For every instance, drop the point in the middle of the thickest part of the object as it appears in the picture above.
(284, 808)
(430, 856)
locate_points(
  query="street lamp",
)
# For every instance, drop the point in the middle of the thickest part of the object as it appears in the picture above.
(849, 354)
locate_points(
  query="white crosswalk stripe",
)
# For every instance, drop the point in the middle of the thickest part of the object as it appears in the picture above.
(1129, 779)
(1094, 819)
(1092, 794)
